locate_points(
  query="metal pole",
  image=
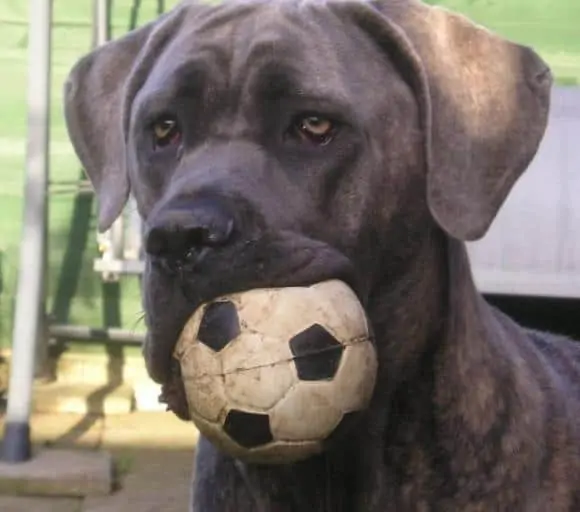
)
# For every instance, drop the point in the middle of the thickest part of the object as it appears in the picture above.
(96, 334)
(102, 21)
(16, 445)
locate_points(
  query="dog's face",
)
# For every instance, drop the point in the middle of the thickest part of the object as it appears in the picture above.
(283, 143)
(277, 143)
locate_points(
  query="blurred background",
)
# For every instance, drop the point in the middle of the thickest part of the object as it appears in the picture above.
(89, 361)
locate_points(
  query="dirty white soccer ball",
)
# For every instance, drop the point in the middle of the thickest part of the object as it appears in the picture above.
(274, 375)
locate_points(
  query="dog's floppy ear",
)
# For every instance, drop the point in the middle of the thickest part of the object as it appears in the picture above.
(97, 98)
(485, 104)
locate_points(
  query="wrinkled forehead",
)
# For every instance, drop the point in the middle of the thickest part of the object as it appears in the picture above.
(299, 46)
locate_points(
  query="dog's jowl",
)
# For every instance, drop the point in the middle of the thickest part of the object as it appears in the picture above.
(280, 143)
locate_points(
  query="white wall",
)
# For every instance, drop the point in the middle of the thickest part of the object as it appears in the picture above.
(533, 247)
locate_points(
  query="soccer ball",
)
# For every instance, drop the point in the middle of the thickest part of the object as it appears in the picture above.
(274, 375)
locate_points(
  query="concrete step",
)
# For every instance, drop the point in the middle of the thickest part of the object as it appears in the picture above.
(65, 397)
(80, 376)
(74, 368)
(153, 454)
(21, 504)
(97, 368)
(59, 473)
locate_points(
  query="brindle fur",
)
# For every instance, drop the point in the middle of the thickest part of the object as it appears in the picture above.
(472, 412)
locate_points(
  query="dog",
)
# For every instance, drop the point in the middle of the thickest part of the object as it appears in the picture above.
(281, 143)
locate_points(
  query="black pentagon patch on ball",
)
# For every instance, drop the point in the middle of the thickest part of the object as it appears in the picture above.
(316, 353)
(248, 429)
(219, 325)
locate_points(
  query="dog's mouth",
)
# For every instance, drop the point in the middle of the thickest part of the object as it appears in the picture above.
(309, 267)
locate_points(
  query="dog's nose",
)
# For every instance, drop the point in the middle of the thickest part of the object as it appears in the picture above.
(183, 233)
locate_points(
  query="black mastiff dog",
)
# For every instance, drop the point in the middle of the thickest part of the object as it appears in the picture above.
(273, 143)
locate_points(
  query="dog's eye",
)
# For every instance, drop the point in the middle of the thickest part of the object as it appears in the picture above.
(165, 132)
(313, 128)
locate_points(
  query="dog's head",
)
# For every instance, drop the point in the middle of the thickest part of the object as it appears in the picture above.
(272, 143)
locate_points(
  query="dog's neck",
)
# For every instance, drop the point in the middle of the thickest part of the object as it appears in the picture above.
(433, 315)
(454, 392)
(407, 312)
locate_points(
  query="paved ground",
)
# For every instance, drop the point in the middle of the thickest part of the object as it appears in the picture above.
(153, 458)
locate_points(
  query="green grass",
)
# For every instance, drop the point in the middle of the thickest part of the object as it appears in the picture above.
(75, 292)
